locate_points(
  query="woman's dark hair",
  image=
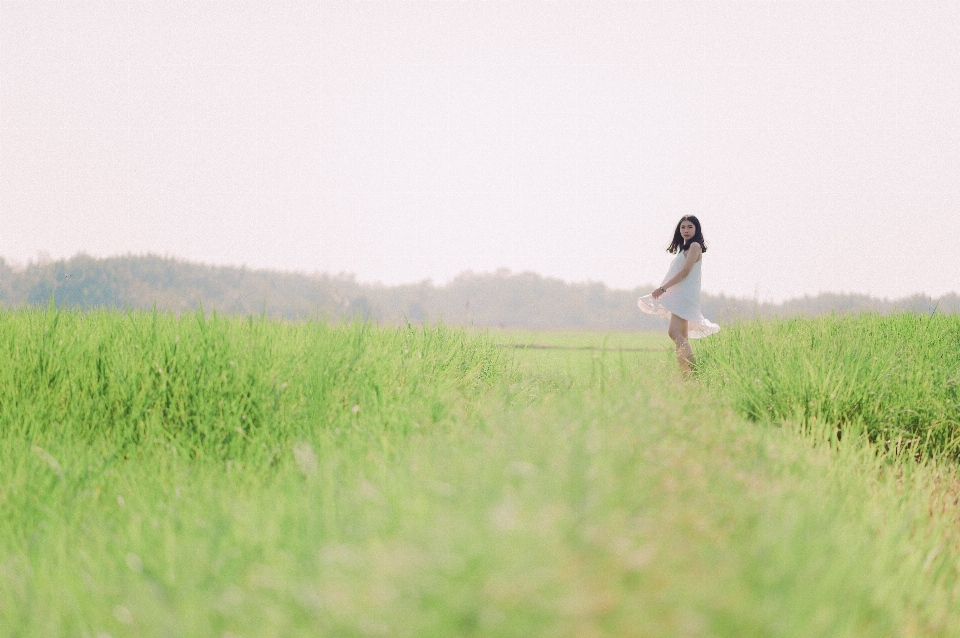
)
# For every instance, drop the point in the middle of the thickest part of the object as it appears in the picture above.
(679, 244)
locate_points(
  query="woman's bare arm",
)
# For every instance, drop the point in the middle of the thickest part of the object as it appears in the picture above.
(693, 255)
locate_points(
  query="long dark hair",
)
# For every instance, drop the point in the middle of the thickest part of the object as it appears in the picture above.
(679, 244)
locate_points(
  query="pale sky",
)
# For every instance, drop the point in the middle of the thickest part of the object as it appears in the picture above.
(818, 142)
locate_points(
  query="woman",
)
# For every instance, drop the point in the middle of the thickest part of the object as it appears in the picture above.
(678, 297)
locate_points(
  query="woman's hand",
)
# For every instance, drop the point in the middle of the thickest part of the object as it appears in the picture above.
(657, 293)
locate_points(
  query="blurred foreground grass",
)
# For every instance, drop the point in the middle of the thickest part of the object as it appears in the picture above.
(425, 483)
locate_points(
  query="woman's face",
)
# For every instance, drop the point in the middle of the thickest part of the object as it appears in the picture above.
(687, 230)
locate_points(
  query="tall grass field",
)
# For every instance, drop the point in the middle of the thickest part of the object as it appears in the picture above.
(236, 477)
(896, 378)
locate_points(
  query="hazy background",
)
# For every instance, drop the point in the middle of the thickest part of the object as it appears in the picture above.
(818, 142)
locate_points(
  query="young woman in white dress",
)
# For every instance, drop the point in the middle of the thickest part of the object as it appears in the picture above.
(678, 297)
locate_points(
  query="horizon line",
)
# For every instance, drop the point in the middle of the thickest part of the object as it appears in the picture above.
(43, 259)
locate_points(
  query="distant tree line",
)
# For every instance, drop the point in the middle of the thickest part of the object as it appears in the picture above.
(502, 298)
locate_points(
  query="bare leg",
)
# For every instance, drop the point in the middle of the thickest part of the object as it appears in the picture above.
(678, 331)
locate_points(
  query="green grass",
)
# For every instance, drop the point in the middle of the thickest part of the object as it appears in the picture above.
(574, 360)
(895, 377)
(475, 491)
(578, 339)
(227, 387)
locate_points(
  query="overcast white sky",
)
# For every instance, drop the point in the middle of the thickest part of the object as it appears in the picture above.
(818, 142)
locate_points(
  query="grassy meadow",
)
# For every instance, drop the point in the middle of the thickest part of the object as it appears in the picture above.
(895, 379)
(229, 477)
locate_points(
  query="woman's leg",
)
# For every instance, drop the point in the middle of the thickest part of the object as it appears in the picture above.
(679, 332)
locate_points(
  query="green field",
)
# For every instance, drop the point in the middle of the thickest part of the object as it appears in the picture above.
(228, 477)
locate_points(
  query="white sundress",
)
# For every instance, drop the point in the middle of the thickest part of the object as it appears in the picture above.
(682, 300)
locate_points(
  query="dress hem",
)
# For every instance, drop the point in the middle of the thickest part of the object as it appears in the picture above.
(700, 324)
